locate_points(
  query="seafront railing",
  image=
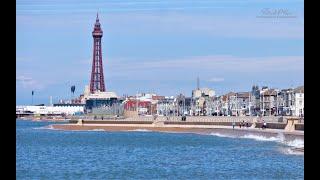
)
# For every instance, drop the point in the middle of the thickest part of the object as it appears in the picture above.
(249, 119)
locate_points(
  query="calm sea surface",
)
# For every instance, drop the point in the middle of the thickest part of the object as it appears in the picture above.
(51, 154)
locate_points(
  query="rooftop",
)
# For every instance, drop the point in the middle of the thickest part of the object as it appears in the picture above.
(102, 95)
(299, 89)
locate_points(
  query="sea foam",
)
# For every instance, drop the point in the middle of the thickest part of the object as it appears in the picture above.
(280, 138)
(222, 135)
(141, 130)
(96, 130)
(299, 143)
(261, 138)
(45, 127)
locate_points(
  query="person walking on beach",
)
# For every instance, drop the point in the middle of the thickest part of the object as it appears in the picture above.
(240, 123)
(233, 124)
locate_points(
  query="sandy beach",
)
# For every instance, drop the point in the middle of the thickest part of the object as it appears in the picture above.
(226, 130)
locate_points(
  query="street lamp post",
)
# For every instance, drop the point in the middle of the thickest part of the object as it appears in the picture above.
(32, 97)
(277, 104)
(237, 104)
(262, 103)
(249, 104)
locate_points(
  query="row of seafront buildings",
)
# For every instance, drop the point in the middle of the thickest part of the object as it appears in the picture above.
(264, 101)
(203, 102)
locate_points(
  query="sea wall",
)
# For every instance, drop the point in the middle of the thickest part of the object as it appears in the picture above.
(273, 122)
(218, 123)
(299, 127)
(110, 122)
(212, 118)
(272, 125)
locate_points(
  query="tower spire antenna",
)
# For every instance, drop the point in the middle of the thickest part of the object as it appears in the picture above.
(198, 83)
(97, 19)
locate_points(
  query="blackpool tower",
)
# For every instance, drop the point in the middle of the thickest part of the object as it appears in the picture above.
(97, 79)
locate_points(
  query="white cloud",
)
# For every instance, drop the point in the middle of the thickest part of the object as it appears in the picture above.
(218, 68)
(216, 63)
(227, 24)
(28, 82)
(50, 7)
(23, 79)
(216, 79)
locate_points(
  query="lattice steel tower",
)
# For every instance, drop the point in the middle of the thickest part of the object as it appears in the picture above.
(97, 78)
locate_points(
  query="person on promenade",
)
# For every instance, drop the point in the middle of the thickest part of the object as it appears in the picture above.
(80, 122)
(233, 124)
(247, 124)
(155, 117)
(183, 118)
(264, 124)
(240, 124)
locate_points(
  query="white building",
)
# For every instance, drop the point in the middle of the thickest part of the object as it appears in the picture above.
(166, 105)
(145, 96)
(298, 109)
(45, 110)
(101, 95)
(202, 92)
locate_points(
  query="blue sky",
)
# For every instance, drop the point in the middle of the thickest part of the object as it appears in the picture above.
(158, 46)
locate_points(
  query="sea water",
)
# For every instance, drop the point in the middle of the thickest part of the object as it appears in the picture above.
(43, 153)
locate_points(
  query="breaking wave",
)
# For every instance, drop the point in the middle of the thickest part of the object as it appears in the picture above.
(45, 127)
(222, 135)
(291, 151)
(96, 130)
(296, 143)
(280, 138)
(141, 130)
